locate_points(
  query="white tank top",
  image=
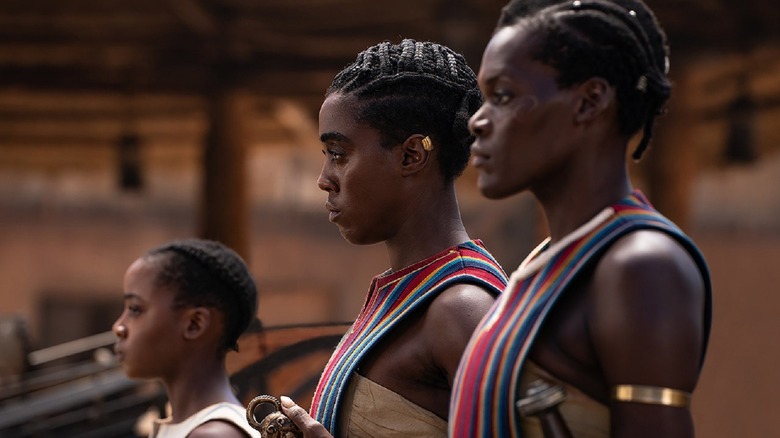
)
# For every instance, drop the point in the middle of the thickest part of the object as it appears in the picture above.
(228, 412)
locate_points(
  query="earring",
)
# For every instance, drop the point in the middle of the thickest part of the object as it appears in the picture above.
(427, 143)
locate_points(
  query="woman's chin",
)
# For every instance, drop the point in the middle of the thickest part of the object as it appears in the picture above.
(488, 188)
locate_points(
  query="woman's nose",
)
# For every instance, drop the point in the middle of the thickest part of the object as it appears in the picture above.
(479, 125)
(325, 183)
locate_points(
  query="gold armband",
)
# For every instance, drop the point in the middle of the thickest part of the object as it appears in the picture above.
(653, 395)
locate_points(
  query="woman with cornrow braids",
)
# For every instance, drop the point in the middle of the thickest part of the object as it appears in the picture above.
(603, 328)
(394, 135)
(186, 303)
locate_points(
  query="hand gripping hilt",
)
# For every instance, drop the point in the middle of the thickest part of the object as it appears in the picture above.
(275, 424)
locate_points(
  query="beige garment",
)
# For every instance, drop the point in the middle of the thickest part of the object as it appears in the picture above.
(586, 417)
(371, 410)
(227, 412)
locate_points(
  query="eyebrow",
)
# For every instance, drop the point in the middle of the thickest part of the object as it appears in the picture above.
(333, 136)
(494, 77)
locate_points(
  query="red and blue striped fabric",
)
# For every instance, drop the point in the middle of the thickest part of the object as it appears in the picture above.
(392, 297)
(485, 388)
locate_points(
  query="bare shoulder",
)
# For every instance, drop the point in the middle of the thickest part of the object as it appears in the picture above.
(648, 265)
(217, 429)
(646, 302)
(461, 303)
(450, 321)
(644, 249)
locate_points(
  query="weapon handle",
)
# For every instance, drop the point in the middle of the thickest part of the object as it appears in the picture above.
(541, 401)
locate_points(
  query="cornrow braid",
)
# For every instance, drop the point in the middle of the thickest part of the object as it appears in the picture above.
(207, 273)
(619, 40)
(517, 9)
(415, 88)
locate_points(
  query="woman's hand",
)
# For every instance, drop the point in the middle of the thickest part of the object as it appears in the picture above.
(309, 426)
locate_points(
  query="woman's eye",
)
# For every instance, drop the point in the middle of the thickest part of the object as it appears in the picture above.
(133, 309)
(500, 97)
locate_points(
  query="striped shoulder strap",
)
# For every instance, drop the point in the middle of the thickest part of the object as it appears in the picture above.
(391, 298)
(484, 391)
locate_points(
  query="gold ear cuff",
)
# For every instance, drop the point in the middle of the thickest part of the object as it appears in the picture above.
(427, 143)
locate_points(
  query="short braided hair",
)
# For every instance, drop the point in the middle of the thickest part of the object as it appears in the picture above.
(415, 88)
(618, 40)
(208, 273)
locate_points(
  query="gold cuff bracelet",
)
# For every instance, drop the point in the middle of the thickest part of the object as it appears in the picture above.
(653, 395)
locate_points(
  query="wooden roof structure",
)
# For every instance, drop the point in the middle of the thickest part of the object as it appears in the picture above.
(281, 47)
(272, 47)
(79, 72)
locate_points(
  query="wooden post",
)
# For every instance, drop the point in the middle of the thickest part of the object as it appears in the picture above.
(225, 204)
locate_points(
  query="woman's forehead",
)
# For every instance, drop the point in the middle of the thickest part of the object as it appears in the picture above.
(339, 119)
(337, 109)
(510, 41)
(508, 55)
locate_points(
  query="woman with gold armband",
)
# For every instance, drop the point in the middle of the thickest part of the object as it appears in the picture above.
(615, 306)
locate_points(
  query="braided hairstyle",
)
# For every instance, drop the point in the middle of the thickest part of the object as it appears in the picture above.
(618, 40)
(207, 273)
(517, 9)
(415, 88)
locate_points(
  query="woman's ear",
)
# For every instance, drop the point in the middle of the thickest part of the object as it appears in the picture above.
(197, 321)
(415, 153)
(595, 97)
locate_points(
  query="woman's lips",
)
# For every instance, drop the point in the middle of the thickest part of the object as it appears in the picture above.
(478, 158)
(333, 212)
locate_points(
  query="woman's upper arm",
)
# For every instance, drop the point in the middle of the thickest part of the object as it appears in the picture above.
(646, 319)
(450, 321)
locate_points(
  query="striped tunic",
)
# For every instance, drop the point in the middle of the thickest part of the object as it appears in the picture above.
(392, 296)
(486, 385)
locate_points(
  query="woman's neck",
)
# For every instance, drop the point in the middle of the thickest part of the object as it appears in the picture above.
(432, 226)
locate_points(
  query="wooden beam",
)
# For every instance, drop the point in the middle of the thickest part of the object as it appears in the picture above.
(283, 80)
(195, 16)
(225, 205)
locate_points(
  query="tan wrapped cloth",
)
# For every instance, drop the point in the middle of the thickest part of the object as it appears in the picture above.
(371, 410)
(586, 417)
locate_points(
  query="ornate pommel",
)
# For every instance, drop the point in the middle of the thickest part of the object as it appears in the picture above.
(275, 424)
(540, 397)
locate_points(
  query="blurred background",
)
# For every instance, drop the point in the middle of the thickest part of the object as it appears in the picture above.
(124, 124)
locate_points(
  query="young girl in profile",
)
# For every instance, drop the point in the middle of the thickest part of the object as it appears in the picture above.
(185, 305)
